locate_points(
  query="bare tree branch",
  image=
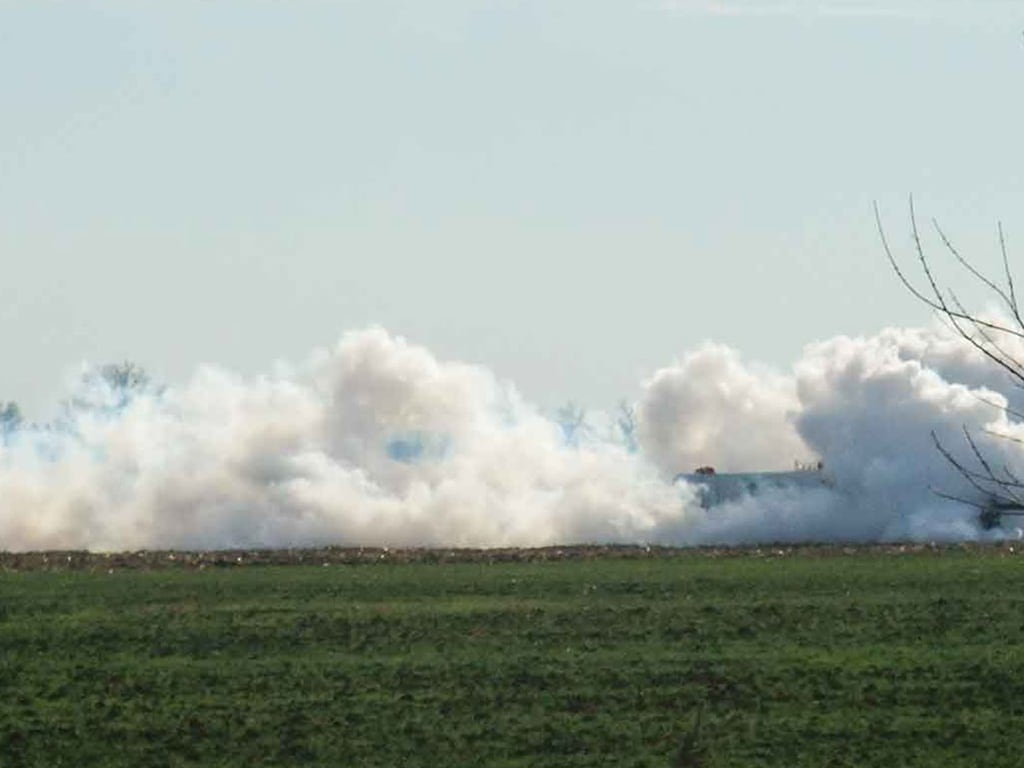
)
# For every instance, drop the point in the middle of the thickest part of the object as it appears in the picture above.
(972, 269)
(1004, 408)
(937, 301)
(997, 493)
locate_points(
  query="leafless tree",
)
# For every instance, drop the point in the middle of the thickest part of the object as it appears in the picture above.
(572, 419)
(108, 389)
(1000, 491)
(124, 377)
(625, 422)
(10, 420)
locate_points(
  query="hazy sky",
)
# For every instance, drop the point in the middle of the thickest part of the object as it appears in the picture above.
(571, 193)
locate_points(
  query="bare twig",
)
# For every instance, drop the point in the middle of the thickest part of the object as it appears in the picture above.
(937, 303)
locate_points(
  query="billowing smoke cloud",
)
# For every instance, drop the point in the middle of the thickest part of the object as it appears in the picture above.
(870, 408)
(377, 442)
(710, 409)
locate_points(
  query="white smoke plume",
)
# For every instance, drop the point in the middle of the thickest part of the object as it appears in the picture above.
(377, 442)
(710, 409)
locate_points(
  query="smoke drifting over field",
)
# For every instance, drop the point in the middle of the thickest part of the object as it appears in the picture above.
(377, 442)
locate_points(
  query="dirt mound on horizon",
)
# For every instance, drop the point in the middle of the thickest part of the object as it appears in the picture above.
(148, 560)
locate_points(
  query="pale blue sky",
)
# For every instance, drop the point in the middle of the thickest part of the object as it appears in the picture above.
(571, 193)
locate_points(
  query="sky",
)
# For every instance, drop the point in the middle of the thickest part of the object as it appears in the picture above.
(570, 193)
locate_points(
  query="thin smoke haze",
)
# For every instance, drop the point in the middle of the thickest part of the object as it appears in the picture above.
(378, 442)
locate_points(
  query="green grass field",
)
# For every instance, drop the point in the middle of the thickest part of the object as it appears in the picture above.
(864, 659)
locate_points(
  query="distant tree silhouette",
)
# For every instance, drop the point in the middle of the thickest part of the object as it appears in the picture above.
(572, 419)
(10, 420)
(109, 388)
(625, 422)
(124, 377)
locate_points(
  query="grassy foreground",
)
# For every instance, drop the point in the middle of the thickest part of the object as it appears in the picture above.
(862, 659)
